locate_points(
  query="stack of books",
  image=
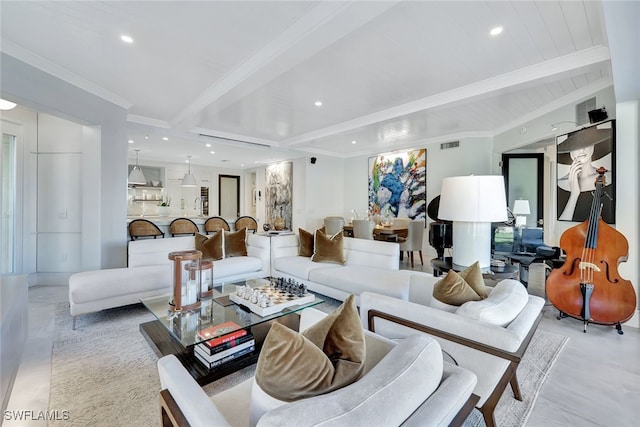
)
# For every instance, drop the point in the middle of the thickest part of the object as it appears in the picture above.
(225, 346)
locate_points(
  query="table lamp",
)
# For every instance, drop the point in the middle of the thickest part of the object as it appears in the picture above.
(521, 210)
(472, 203)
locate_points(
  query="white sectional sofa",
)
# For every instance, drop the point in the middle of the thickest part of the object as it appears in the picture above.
(370, 265)
(149, 273)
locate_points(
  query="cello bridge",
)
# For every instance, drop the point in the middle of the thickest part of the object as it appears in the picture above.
(588, 265)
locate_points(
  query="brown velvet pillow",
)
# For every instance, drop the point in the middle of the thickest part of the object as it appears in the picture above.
(210, 246)
(473, 276)
(235, 243)
(453, 290)
(328, 248)
(327, 356)
(306, 243)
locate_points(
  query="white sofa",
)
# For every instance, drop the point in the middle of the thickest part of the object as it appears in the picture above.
(149, 273)
(370, 265)
(404, 384)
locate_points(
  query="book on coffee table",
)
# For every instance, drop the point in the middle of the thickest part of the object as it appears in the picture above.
(211, 350)
(219, 334)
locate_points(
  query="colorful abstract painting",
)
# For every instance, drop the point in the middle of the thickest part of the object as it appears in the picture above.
(279, 191)
(398, 184)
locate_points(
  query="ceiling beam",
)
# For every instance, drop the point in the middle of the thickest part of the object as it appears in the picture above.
(319, 28)
(543, 70)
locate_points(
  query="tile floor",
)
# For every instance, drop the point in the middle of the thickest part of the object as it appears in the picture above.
(595, 381)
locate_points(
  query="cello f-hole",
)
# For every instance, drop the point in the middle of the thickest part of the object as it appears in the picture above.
(606, 269)
(573, 267)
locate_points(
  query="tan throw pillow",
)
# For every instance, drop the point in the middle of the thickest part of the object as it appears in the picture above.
(235, 243)
(210, 246)
(306, 243)
(473, 276)
(453, 290)
(325, 357)
(328, 248)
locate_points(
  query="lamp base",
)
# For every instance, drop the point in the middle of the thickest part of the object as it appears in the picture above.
(471, 243)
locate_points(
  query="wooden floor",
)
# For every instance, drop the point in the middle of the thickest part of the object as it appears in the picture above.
(595, 381)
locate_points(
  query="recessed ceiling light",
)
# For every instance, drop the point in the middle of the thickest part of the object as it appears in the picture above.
(318, 103)
(125, 38)
(495, 31)
(241, 165)
(131, 141)
(212, 152)
(207, 145)
(353, 142)
(164, 138)
(146, 137)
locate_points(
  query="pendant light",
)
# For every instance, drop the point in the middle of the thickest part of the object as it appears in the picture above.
(189, 180)
(136, 177)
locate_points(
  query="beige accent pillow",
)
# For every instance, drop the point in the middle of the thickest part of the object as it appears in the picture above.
(210, 246)
(453, 290)
(328, 248)
(473, 276)
(235, 243)
(327, 356)
(306, 243)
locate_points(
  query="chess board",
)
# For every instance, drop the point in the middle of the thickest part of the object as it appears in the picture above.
(281, 300)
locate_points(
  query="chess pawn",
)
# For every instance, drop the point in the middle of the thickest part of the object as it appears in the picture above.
(254, 296)
(263, 301)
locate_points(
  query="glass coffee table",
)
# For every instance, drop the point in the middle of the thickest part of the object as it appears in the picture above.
(177, 334)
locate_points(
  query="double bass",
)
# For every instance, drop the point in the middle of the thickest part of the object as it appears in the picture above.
(587, 286)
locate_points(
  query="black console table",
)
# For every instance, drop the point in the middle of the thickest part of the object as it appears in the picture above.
(441, 266)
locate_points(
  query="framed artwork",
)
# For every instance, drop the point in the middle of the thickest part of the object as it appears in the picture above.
(278, 193)
(398, 184)
(579, 155)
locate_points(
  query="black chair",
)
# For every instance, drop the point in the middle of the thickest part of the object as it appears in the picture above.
(141, 228)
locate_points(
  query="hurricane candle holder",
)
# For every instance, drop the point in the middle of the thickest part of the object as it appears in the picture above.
(185, 288)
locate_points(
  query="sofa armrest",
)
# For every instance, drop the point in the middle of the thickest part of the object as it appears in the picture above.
(193, 403)
(397, 319)
(451, 403)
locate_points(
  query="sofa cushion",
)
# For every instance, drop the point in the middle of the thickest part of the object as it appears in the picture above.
(504, 303)
(210, 246)
(236, 265)
(473, 276)
(355, 279)
(299, 266)
(235, 243)
(306, 243)
(454, 290)
(328, 248)
(328, 355)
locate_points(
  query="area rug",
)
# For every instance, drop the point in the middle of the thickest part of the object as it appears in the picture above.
(104, 372)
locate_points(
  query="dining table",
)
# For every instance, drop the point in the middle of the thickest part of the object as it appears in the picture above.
(390, 232)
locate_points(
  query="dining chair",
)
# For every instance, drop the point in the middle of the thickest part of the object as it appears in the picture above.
(414, 239)
(181, 226)
(363, 229)
(216, 223)
(139, 228)
(333, 224)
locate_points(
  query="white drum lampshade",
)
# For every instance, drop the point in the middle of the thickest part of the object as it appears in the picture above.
(521, 210)
(472, 203)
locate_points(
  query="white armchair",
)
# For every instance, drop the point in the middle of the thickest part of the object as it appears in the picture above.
(492, 352)
(403, 384)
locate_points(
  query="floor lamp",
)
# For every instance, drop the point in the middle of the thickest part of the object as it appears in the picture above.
(472, 203)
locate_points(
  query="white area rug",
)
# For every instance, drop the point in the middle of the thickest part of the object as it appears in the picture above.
(104, 373)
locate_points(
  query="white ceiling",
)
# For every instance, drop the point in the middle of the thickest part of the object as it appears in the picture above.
(389, 74)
